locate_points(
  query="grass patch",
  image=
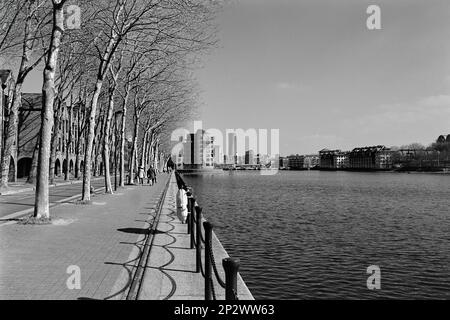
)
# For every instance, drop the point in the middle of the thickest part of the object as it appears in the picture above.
(83, 202)
(35, 221)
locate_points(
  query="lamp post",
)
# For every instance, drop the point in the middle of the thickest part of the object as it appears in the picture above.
(117, 113)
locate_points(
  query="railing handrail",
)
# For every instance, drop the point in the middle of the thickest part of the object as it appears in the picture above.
(194, 228)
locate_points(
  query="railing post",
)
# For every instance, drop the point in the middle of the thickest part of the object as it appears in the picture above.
(198, 240)
(208, 267)
(191, 219)
(189, 207)
(231, 268)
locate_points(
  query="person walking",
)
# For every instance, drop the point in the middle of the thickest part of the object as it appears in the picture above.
(170, 165)
(141, 175)
(152, 175)
(155, 174)
(149, 176)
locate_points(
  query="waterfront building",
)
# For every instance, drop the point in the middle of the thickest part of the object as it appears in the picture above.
(28, 133)
(383, 159)
(208, 151)
(217, 155)
(249, 157)
(311, 161)
(295, 162)
(231, 148)
(341, 160)
(193, 151)
(284, 163)
(374, 157)
(29, 123)
(327, 158)
(199, 152)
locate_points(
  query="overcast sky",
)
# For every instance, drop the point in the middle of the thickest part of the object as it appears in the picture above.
(312, 69)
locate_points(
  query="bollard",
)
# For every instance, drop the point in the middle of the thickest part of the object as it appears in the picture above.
(198, 227)
(208, 266)
(191, 219)
(231, 267)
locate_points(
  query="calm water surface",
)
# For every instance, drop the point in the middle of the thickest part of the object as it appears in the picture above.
(312, 235)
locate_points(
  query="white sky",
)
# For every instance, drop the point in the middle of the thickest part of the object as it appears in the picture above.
(312, 69)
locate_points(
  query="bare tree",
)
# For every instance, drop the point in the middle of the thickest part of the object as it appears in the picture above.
(11, 16)
(28, 23)
(41, 207)
(115, 70)
(165, 23)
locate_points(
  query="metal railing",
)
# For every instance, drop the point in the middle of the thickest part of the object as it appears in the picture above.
(208, 268)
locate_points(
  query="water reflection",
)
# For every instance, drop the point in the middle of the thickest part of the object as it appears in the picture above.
(309, 235)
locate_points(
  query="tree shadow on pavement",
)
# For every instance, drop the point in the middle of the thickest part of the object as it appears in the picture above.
(140, 231)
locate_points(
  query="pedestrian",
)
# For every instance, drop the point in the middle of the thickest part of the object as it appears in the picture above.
(154, 174)
(149, 176)
(141, 175)
(170, 165)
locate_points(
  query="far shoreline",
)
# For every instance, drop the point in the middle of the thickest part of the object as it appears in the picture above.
(208, 171)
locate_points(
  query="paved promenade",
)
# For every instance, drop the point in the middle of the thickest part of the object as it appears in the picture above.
(170, 270)
(101, 239)
(103, 242)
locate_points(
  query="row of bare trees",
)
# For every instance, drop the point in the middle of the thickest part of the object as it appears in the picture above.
(130, 60)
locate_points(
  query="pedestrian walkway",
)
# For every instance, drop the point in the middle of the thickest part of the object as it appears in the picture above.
(171, 267)
(101, 240)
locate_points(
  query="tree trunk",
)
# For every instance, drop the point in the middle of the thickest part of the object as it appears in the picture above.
(41, 207)
(98, 132)
(78, 147)
(150, 150)
(103, 68)
(90, 142)
(123, 140)
(133, 151)
(147, 155)
(54, 144)
(68, 145)
(77, 162)
(156, 156)
(144, 149)
(106, 142)
(34, 162)
(11, 134)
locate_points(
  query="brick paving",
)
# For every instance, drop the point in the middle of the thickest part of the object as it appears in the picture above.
(102, 239)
